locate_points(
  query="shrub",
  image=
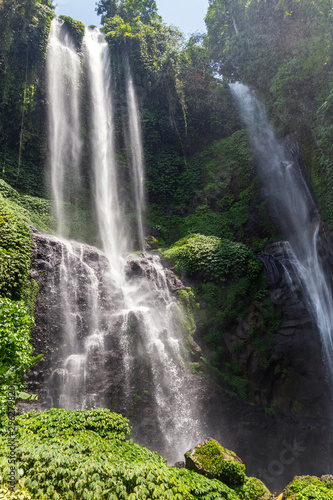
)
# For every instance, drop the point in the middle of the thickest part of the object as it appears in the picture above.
(15, 252)
(83, 455)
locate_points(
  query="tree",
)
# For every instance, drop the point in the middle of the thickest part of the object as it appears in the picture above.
(106, 9)
(128, 10)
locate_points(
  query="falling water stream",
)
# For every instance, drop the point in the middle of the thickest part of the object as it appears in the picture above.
(100, 299)
(137, 155)
(291, 201)
(63, 69)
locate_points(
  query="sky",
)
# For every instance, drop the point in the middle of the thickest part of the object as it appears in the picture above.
(188, 15)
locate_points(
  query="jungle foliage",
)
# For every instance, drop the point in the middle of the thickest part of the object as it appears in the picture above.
(24, 27)
(283, 48)
(17, 293)
(84, 455)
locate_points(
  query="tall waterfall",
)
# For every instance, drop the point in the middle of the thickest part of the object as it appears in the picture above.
(114, 306)
(111, 227)
(137, 155)
(293, 204)
(63, 82)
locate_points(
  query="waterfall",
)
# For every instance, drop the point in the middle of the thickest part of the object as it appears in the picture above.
(137, 154)
(63, 86)
(104, 166)
(291, 201)
(121, 330)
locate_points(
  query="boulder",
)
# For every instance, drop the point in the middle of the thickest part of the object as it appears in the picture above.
(216, 462)
(309, 487)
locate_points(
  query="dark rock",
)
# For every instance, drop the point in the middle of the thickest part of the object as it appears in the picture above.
(42, 264)
(196, 351)
(180, 465)
(289, 374)
(212, 460)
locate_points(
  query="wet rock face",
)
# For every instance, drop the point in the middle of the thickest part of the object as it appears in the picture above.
(55, 321)
(298, 392)
(284, 370)
(100, 346)
(297, 375)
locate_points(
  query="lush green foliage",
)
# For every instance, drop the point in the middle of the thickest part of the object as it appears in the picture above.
(50, 423)
(216, 195)
(30, 175)
(75, 28)
(230, 284)
(219, 462)
(253, 489)
(15, 349)
(83, 455)
(129, 10)
(214, 259)
(308, 488)
(38, 212)
(24, 27)
(283, 49)
(15, 252)
(17, 294)
(35, 210)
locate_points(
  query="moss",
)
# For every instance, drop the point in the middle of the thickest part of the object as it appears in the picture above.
(29, 295)
(152, 242)
(213, 258)
(218, 462)
(253, 489)
(76, 29)
(309, 488)
(297, 407)
(15, 252)
(35, 210)
(188, 302)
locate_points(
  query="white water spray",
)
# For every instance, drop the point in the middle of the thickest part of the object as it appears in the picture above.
(293, 204)
(111, 227)
(95, 313)
(63, 84)
(137, 155)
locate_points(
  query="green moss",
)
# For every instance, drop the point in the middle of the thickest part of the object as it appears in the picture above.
(309, 488)
(76, 29)
(15, 252)
(213, 258)
(29, 296)
(297, 407)
(253, 489)
(189, 306)
(35, 210)
(220, 463)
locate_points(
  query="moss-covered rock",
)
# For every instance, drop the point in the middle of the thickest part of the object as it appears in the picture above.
(75, 28)
(212, 460)
(309, 488)
(253, 489)
(152, 243)
(213, 258)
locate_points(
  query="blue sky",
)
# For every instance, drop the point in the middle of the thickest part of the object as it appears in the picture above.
(188, 15)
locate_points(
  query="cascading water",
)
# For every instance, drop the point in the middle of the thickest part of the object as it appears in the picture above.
(111, 228)
(63, 70)
(115, 306)
(295, 208)
(137, 155)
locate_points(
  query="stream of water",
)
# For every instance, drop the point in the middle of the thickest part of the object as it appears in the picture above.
(103, 304)
(295, 208)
